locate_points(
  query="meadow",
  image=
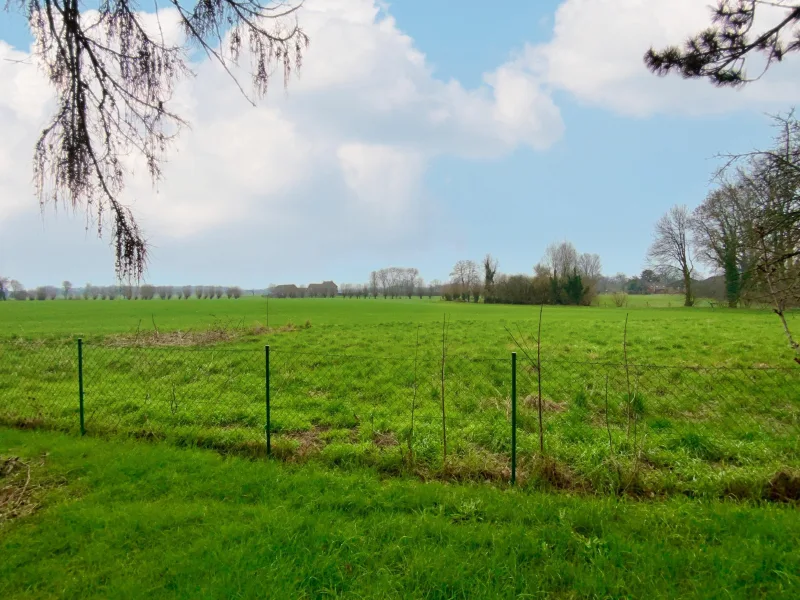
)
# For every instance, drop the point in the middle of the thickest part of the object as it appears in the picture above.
(702, 401)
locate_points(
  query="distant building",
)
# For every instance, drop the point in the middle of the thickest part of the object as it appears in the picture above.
(326, 289)
(289, 290)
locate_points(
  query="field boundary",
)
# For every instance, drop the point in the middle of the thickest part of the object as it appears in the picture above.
(498, 418)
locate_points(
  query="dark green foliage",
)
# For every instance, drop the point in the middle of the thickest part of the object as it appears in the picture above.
(719, 53)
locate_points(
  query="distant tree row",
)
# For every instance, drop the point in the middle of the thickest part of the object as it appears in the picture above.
(393, 282)
(562, 277)
(13, 289)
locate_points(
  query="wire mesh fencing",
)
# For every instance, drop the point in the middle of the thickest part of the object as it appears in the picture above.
(431, 412)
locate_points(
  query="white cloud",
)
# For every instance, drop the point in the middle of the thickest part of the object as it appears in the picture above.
(384, 182)
(362, 120)
(597, 49)
(24, 100)
(346, 147)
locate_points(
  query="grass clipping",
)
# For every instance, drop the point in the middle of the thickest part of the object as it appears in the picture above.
(16, 490)
(216, 333)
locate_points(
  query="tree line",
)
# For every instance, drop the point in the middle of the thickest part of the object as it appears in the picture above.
(392, 282)
(747, 229)
(563, 276)
(14, 290)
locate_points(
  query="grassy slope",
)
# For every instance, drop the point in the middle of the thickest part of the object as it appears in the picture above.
(135, 520)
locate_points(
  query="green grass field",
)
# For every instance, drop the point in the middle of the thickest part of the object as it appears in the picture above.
(656, 334)
(358, 383)
(125, 519)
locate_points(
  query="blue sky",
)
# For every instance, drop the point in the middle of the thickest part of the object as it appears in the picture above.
(418, 134)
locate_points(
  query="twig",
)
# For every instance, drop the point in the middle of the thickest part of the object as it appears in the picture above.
(153, 317)
(444, 414)
(21, 495)
(611, 442)
(414, 399)
(629, 400)
(608, 425)
(539, 378)
(138, 328)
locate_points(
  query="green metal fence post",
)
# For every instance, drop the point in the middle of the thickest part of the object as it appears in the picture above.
(268, 428)
(80, 382)
(513, 418)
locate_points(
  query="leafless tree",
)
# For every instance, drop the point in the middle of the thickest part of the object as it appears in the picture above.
(67, 287)
(383, 281)
(672, 247)
(147, 292)
(18, 290)
(114, 77)
(561, 258)
(720, 226)
(590, 269)
(410, 277)
(113, 291)
(434, 288)
(466, 278)
(772, 179)
(87, 291)
(590, 266)
(235, 292)
(373, 284)
(186, 290)
(3, 288)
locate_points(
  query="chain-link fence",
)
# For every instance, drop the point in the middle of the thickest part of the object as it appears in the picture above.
(452, 413)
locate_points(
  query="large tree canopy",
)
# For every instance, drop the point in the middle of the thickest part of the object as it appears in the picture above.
(114, 74)
(720, 52)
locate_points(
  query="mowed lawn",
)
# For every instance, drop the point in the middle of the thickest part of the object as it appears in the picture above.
(113, 519)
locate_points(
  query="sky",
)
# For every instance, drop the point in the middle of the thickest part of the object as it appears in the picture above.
(417, 134)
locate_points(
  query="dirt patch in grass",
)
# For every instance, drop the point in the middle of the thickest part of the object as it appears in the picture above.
(306, 443)
(24, 422)
(547, 404)
(385, 440)
(784, 487)
(555, 475)
(195, 337)
(16, 489)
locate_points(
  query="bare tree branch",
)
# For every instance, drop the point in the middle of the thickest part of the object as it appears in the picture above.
(114, 80)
